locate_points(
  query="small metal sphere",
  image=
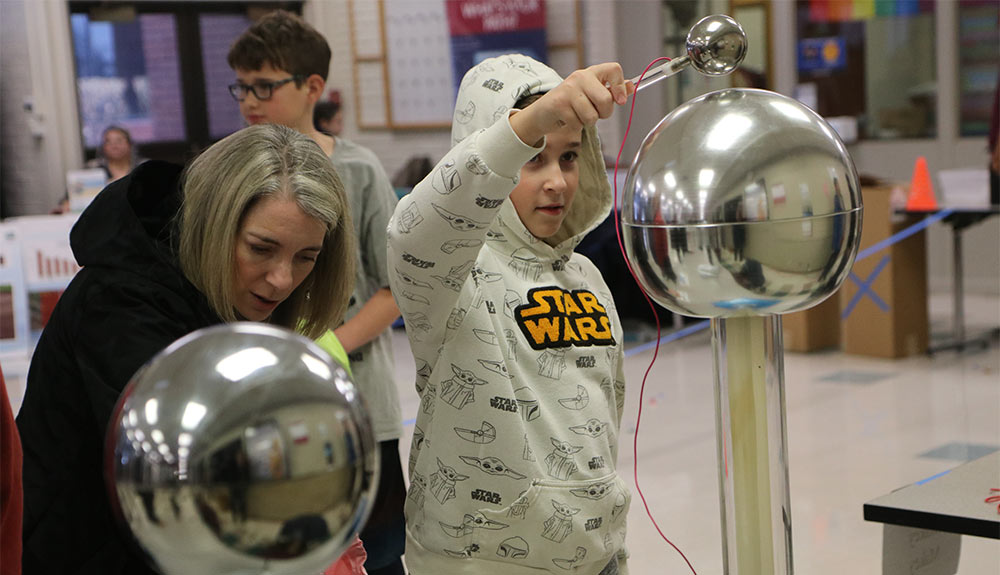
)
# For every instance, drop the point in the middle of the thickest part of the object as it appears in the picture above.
(241, 448)
(716, 45)
(741, 202)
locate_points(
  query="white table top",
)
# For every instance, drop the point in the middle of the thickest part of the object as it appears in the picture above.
(953, 501)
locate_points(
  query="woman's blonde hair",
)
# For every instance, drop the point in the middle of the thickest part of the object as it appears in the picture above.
(226, 181)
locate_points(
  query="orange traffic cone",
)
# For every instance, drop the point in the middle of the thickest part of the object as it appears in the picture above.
(921, 190)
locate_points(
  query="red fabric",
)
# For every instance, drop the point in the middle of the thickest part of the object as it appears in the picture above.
(352, 562)
(11, 494)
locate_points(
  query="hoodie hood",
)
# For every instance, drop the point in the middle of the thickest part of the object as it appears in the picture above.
(488, 92)
(128, 226)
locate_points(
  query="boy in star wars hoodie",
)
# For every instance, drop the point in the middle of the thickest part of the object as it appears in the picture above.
(517, 343)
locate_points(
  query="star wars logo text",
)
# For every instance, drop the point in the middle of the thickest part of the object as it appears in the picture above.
(554, 317)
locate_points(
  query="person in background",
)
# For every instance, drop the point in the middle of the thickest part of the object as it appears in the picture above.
(256, 229)
(281, 64)
(11, 494)
(518, 347)
(117, 154)
(328, 117)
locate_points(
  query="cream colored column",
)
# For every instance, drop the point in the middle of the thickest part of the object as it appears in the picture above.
(750, 425)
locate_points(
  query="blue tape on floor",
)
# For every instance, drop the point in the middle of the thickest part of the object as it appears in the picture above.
(693, 328)
(902, 235)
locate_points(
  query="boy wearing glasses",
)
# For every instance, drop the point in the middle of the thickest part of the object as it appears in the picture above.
(281, 65)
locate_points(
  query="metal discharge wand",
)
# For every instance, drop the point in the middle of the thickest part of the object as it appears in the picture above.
(742, 205)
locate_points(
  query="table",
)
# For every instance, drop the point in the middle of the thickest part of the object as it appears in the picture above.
(924, 521)
(953, 501)
(960, 219)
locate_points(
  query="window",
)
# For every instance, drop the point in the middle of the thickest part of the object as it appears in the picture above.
(118, 66)
(979, 46)
(871, 60)
(159, 70)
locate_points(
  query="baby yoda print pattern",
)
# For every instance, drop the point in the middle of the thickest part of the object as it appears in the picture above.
(465, 553)
(410, 280)
(594, 428)
(595, 491)
(558, 527)
(519, 508)
(455, 319)
(552, 363)
(416, 444)
(470, 523)
(459, 391)
(511, 301)
(453, 280)
(500, 112)
(485, 434)
(486, 336)
(418, 325)
(477, 166)
(427, 399)
(458, 221)
(527, 454)
(417, 298)
(466, 114)
(446, 178)
(578, 402)
(443, 482)
(525, 264)
(496, 367)
(478, 398)
(409, 218)
(619, 507)
(567, 564)
(513, 548)
(559, 464)
(418, 486)
(492, 466)
(451, 246)
(480, 276)
(511, 343)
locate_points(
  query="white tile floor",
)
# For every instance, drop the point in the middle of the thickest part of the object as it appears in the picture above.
(849, 442)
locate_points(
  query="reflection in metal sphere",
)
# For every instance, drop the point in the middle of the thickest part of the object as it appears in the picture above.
(241, 448)
(741, 202)
(716, 45)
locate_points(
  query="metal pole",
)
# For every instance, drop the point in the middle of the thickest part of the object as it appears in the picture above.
(753, 463)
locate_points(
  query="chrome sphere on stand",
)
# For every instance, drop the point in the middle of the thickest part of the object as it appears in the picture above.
(242, 448)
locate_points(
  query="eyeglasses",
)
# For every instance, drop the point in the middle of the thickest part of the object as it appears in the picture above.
(261, 90)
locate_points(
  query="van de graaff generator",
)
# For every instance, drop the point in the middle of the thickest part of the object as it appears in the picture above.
(742, 205)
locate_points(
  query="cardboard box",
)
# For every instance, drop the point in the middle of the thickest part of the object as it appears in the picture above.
(813, 329)
(895, 324)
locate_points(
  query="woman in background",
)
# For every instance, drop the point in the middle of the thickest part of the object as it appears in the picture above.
(256, 229)
(116, 154)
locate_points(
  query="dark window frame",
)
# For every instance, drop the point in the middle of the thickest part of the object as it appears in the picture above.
(190, 65)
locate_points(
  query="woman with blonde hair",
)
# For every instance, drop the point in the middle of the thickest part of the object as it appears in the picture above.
(256, 229)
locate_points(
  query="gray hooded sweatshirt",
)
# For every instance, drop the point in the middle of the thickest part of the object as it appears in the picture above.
(519, 356)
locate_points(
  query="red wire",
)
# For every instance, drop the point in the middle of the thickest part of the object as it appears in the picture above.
(656, 350)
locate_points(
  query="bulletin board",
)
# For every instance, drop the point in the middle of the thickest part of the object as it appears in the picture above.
(402, 59)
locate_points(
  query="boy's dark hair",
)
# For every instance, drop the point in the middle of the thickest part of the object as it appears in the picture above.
(323, 111)
(284, 41)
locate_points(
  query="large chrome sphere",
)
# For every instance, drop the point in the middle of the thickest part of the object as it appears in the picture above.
(741, 202)
(241, 448)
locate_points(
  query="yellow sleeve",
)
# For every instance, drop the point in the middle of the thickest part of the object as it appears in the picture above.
(331, 345)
